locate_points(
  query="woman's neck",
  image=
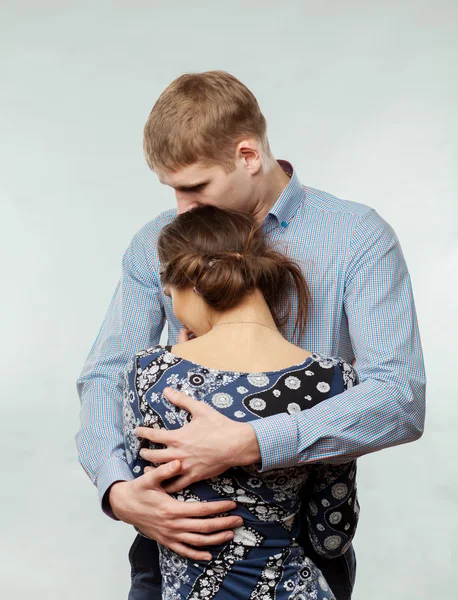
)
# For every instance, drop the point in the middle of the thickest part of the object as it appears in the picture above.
(253, 309)
(243, 339)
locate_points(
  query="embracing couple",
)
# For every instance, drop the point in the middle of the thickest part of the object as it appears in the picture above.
(293, 349)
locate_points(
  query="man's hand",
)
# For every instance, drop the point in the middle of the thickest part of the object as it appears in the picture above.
(178, 525)
(206, 447)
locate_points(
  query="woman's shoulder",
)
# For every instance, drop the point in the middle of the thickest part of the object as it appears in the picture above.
(343, 367)
(143, 357)
(152, 351)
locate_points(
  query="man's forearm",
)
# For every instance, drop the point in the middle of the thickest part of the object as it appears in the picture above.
(369, 417)
(100, 440)
(134, 320)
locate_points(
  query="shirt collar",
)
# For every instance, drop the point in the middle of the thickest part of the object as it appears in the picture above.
(289, 200)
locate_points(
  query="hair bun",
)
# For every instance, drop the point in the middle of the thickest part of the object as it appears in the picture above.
(224, 256)
(224, 279)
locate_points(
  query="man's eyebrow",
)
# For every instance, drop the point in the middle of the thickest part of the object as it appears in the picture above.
(191, 186)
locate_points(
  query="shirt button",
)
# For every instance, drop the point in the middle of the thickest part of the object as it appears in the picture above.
(284, 223)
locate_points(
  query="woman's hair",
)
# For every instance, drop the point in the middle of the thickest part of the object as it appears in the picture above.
(224, 256)
(201, 117)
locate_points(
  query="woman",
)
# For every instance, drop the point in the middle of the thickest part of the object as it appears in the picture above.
(226, 284)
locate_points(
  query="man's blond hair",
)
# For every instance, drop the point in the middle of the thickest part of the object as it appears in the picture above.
(201, 117)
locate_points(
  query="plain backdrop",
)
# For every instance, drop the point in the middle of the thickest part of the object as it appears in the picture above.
(360, 96)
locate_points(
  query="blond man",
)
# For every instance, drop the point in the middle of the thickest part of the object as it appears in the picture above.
(206, 139)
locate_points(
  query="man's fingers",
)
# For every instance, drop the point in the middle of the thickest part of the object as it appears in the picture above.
(205, 509)
(159, 456)
(155, 476)
(189, 552)
(214, 539)
(183, 401)
(160, 436)
(217, 524)
(179, 484)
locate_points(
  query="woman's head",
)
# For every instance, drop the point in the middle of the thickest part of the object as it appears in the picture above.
(213, 259)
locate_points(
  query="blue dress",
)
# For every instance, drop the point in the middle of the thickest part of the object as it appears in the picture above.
(264, 560)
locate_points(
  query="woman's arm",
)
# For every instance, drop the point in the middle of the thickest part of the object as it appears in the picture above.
(331, 508)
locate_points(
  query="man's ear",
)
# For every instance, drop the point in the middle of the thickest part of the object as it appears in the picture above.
(249, 152)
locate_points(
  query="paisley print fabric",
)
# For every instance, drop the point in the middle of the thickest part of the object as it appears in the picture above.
(264, 560)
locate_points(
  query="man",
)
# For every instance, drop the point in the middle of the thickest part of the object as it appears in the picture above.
(206, 138)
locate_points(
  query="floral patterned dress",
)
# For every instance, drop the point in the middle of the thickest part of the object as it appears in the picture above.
(264, 560)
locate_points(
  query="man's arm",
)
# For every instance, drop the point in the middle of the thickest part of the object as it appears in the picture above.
(134, 320)
(388, 406)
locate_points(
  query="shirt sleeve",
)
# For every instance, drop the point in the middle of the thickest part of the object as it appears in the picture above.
(134, 320)
(388, 406)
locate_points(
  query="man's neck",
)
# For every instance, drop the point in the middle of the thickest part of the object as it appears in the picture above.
(274, 181)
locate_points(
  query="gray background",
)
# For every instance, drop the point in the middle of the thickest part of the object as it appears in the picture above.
(360, 96)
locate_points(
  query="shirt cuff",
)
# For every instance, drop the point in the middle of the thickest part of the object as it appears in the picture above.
(114, 470)
(277, 438)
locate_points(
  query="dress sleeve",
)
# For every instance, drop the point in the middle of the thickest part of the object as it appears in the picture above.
(333, 508)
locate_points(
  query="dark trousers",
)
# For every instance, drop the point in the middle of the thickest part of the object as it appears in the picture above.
(146, 577)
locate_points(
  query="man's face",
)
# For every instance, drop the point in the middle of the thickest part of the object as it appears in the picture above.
(197, 184)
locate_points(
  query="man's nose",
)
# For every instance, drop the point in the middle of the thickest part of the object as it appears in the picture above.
(184, 204)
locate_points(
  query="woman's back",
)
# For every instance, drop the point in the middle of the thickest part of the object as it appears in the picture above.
(244, 346)
(234, 291)
(263, 560)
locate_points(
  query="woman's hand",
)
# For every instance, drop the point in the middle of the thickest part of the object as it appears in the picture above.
(185, 335)
(206, 447)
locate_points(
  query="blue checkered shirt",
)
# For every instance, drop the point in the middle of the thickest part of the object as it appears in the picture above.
(362, 308)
